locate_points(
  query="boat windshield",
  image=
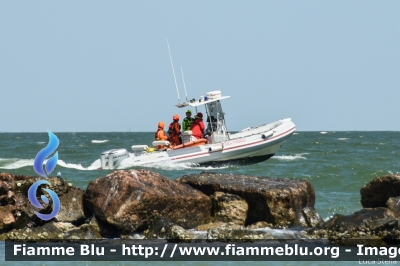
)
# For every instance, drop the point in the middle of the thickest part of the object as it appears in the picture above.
(216, 127)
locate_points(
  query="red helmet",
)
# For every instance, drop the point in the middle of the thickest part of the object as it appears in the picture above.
(199, 115)
(175, 117)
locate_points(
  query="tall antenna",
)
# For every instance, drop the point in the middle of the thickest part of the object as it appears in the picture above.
(173, 71)
(184, 85)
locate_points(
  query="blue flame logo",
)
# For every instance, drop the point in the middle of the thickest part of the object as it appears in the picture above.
(38, 167)
(49, 149)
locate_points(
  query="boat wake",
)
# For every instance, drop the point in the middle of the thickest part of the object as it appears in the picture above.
(94, 166)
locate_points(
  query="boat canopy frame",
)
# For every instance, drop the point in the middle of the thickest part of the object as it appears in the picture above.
(215, 117)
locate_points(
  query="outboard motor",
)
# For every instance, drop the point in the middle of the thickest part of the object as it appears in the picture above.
(104, 159)
(112, 158)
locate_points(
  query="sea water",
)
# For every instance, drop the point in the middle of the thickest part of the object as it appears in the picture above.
(337, 164)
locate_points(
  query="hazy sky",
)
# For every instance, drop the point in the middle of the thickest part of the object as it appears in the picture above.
(104, 65)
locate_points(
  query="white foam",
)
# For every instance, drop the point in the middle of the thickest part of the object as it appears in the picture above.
(99, 141)
(323, 132)
(16, 163)
(41, 142)
(295, 133)
(343, 138)
(290, 157)
(94, 166)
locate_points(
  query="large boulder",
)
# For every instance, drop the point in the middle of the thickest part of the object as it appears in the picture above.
(377, 192)
(280, 202)
(130, 199)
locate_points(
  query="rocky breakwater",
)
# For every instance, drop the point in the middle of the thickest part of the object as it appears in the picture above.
(19, 221)
(124, 203)
(378, 223)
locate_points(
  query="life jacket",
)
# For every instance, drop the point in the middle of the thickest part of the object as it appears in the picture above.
(197, 128)
(171, 130)
(187, 122)
(156, 134)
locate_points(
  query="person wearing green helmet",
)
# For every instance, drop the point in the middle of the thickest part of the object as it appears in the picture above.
(187, 121)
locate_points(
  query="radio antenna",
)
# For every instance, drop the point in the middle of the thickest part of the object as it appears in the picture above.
(184, 85)
(173, 71)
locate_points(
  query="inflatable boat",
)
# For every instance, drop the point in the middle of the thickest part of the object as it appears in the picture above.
(218, 146)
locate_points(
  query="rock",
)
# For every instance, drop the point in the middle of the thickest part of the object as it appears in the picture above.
(377, 192)
(366, 218)
(106, 230)
(129, 200)
(71, 199)
(157, 228)
(280, 202)
(176, 232)
(85, 231)
(394, 205)
(259, 225)
(232, 232)
(229, 208)
(377, 223)
(163, 228)
(53, 230)
(16, 211)
(205, 227)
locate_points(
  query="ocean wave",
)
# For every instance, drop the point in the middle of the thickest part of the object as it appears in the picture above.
(41, 142)
(99, 141)
(323, 132)
(290, 157)
(343, 138)
(15, 163)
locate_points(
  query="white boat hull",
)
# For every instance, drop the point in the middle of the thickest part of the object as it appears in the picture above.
(248, 146)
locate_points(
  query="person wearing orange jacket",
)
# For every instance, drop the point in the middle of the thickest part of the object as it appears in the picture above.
(160, 134)
(174, 131)
(197, 126)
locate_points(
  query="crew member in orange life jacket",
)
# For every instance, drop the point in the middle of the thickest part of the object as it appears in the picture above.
(160, 134)
(174, 131)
